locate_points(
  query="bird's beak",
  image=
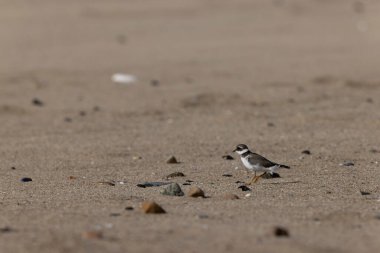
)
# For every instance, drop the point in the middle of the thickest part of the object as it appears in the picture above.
(234, 150)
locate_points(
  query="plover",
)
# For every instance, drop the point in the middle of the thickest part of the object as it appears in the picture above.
(256, 163)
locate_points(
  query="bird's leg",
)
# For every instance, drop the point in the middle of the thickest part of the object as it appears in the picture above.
(253, 179)
(258, 177)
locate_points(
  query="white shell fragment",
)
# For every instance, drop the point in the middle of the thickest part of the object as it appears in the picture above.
(123, 78)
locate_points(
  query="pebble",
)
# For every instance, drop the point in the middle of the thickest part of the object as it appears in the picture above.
(244, 188)
(154, 82)
(152, 184)
(172, 160)
(110, 183)
(37, 102)
(271, 175)
(175, 174)
(364, 193)
(347, 163)
(306, 152)
(123, 78)
(152, 207)
(230, 196)
(227, 157)
(6, 229)
(373, 150)
(186, 184)
(270, 124)
(92, 235)
(248, 195)
(196, 192)
(281, 232)
(227, 175)
(172, 190)
(72, 177)
(26, 179)
(13, 168)
(129, 208)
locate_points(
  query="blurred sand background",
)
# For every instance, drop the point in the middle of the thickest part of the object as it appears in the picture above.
(280, 76)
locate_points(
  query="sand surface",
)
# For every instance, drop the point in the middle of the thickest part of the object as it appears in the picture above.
(280, 76)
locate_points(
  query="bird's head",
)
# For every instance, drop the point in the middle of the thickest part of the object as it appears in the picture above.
(241, 149)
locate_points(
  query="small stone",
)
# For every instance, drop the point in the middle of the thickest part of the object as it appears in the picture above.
(202, 216)
(347, 163)
(82, 113)
(37, 102)
(172, 190)
(129, 208)
(6, 229)
(239, 182)
(136, 158)
(152, 207)
(281, 232)
(115, 214)
(92, 235)
(189, 181)
(306, 152)
(248, 195)
(154, 82)
(110, 183)
(152, 184)
(373, 150)
(175, 174)
(230, 196)
(13, 168)
(72, 177)
(186, 184)
(364, 193)
(227, 157)
(270, 124)
(196, 192)
(270, 175)
(227, 175)
(244, 188)
(26, 179)
(172, 160)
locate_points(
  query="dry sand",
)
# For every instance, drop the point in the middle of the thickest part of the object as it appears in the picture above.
(226, 69)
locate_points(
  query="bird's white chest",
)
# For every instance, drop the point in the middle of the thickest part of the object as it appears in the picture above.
(247, 164)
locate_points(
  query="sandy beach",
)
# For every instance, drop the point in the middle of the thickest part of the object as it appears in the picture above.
(281, 76)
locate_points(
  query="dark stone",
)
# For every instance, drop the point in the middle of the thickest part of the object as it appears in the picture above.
(347, 163)
(172, 160)
(244, 188)
(189, 181)
(173, 190)
(227, 175)
(154, 82)
(365, 193)
(129, 208)
(6, 229)
(227, 157)
(281, 232)
(306, 152)
(175, 174)
(270, 175)
(239, 182)
(26, 179)
(152, 184)
(186, 184)
(37, 102)
(13, 168)
(373, 150)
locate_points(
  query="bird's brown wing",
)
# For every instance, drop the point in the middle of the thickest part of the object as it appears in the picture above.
(258, 159)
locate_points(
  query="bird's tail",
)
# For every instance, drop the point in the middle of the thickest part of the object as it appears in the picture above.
(284, 166)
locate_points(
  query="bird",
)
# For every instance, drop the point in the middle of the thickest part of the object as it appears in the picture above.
(256, 163)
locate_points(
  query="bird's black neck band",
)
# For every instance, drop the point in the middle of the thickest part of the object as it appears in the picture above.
(245, 153)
